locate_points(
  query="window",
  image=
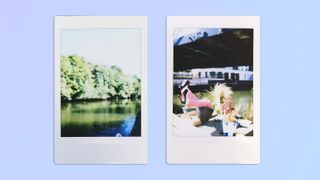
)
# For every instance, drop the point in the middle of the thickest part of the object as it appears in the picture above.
(213, 74)
(220, 75)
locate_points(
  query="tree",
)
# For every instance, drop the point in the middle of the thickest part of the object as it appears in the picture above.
(75, 73)
(82, 80)
(101, 76)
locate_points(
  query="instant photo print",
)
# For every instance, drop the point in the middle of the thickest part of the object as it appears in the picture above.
(213, 90)
(100, 90)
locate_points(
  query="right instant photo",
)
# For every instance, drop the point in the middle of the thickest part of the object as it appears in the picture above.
(213, 82)
(214, 86)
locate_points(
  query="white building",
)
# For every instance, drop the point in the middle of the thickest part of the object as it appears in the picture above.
(203, 75)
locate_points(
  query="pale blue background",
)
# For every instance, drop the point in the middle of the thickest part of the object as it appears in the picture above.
(290, 123)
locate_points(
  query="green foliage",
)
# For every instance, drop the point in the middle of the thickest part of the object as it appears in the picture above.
(82, 80)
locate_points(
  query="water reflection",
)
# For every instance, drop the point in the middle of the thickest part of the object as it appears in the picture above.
(100, 118)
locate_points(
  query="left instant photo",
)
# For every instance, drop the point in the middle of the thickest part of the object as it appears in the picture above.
(100, 90)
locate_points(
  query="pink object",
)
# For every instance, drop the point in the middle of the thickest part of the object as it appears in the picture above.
(227, 105)
(193, 102)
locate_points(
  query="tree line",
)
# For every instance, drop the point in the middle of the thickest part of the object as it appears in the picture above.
(83, 80)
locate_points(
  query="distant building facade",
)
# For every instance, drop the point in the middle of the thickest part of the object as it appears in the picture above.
(203, 76)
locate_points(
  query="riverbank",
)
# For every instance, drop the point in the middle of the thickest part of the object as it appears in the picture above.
(183, 126)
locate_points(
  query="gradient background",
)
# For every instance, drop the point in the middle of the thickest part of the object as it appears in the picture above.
(290, 145)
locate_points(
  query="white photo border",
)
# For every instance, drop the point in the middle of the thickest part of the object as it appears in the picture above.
(214, 150)
(100, 150)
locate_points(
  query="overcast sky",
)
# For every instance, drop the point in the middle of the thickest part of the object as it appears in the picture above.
(120, 47)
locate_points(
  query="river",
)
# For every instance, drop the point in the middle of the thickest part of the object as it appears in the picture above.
(98, 118)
